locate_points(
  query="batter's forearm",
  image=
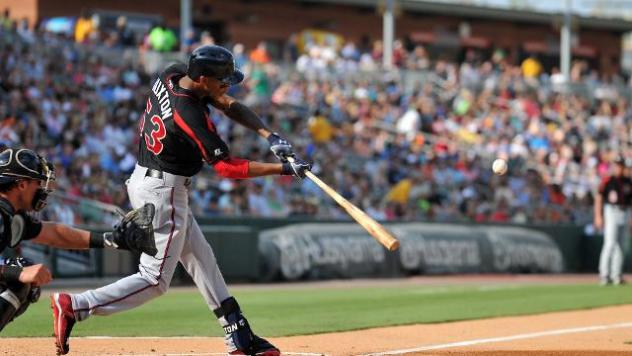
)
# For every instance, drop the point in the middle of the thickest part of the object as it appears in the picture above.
(237, 168)
(242, 114)
(258, 169)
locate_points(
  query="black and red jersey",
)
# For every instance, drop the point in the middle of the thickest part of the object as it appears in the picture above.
(176, 132)
(616, 191)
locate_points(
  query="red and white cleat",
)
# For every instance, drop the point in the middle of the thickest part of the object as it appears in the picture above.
(63, 320)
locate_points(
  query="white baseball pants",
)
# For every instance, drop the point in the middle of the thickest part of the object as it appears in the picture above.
(178, 239)
(615, 237)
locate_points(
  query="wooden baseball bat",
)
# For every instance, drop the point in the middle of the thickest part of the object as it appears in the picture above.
(374, 228)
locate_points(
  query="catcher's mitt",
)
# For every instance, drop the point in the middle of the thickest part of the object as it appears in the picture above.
(135, 231)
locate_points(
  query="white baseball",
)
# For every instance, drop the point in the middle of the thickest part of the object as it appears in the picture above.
(499, 166)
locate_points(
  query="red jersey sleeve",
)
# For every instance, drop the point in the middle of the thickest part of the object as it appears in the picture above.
(235, 168)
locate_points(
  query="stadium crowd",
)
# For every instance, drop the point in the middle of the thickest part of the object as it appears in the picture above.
(413, 143)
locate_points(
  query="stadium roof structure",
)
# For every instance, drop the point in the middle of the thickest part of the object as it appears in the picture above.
(483, 12)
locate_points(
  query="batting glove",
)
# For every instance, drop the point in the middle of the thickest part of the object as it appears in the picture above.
(297, 167)
(281, 148)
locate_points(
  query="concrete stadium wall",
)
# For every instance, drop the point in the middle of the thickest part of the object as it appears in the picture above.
(236, 243)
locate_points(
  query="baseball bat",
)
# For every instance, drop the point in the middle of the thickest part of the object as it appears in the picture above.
(374, 228)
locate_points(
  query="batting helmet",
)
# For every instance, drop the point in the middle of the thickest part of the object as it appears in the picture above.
(215, 62)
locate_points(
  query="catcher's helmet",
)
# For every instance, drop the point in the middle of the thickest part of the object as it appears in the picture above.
(215, 62)
(16, 164)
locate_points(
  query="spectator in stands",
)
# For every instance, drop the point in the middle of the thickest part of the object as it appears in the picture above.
(257, 204)
(320, 128)
(241, 60)
(123, 33)
(162, 39)
(5, 20)
(418, 59)
(260, 54)
(290, 50)
(189, 42)
(79, 104)
(259, 84)
(206, 39)
(83, 27)
(531, 67)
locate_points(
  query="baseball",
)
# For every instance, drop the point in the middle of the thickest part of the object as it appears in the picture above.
(499, 166)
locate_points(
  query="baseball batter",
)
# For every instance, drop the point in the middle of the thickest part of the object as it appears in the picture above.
(176, 138)
(612, 213)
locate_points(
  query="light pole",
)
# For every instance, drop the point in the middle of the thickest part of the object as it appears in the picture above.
(387, 35)
(565, 43)
(185, 22)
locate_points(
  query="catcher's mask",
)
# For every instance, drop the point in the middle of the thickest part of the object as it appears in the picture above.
(22, 164)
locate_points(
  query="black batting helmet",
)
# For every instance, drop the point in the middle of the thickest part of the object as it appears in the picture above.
(215, 62)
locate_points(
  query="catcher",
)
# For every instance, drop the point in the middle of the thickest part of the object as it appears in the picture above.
(26, 180)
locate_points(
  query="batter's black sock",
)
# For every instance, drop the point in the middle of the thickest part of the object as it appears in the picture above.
(235, 324)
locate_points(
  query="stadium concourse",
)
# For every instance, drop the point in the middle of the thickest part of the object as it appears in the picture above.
(416, 143)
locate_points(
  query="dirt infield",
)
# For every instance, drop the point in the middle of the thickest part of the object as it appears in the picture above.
(602, 331)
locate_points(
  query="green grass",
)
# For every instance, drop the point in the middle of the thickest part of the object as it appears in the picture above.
(293, 311)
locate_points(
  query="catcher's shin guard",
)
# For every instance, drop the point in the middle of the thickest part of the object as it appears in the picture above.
(239, 338)
(9, 304)
(15, 298)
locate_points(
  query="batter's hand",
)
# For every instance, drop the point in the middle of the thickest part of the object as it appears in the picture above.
(36, 274)
(281, 148)
(296, 167)
(598, 223)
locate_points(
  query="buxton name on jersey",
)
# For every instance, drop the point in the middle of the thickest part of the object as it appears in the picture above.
(161, 94)
(177, 135)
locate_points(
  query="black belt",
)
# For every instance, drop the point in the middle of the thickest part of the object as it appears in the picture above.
(154, 173)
